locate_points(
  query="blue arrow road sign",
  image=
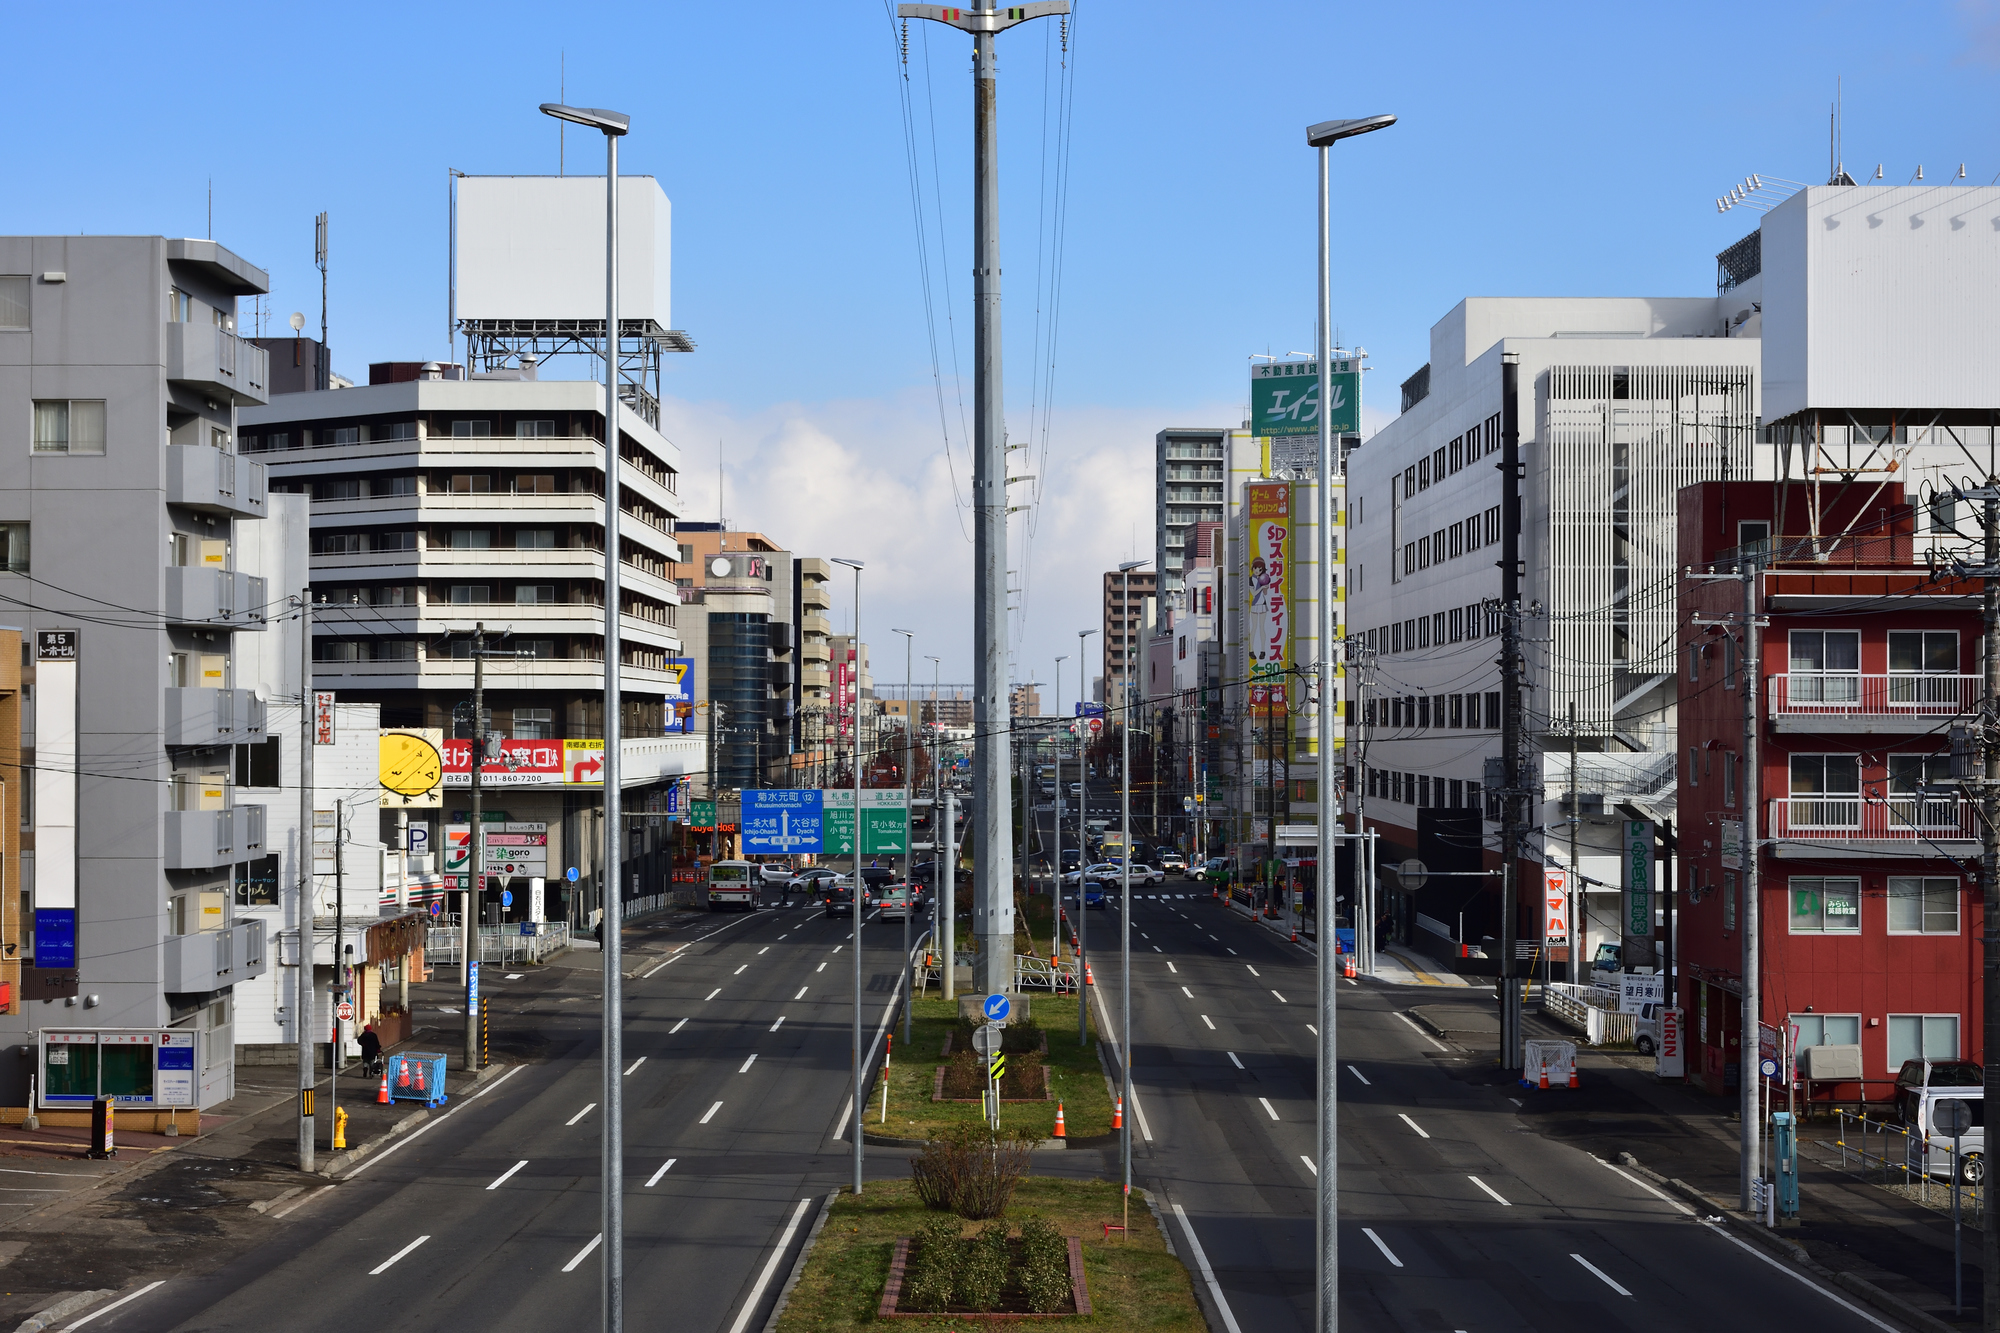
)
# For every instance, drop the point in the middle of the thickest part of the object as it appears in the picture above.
(995, 1008)
(782, 821)
(572, 874)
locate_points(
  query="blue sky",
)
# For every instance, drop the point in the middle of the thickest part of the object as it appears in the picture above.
(1543, 149)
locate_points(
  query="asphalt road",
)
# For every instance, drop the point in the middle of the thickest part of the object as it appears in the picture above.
(488, 1218)
(1454, 1215)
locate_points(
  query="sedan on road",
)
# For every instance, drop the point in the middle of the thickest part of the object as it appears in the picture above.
(809, 881)
(1173, 863)
(898, 902)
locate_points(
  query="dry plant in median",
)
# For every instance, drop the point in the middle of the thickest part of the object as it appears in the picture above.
(965, 1172)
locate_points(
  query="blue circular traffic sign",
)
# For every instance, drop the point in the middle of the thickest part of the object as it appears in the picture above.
(1769, 1069)
(572, 874)
(995, 1008)
(506, 898)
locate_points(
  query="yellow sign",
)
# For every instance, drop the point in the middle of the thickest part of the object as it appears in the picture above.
(412, 767)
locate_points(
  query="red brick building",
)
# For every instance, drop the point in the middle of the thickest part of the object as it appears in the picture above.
(1866, 873)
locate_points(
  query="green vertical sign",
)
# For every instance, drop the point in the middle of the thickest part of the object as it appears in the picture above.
(1639, 879)
(701, 814)
(1284, 398)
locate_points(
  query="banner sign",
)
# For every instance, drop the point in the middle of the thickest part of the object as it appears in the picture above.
(1268, 626)
(583, 763)
(680, 695)
(1639, 878)
(519, 764)
(782, 821)
(323, 717)
(1672, 1059)
(1284, 398)
(1732, 844)
(1555, 906)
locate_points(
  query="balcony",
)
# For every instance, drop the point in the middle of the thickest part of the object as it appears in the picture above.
(814, 623)
(215, 482)
(815, 677)
(1817, 827)
(1854, 703)
(198, 839)
(211, 598)
(217, 361)
(208, 960)
(214, 717)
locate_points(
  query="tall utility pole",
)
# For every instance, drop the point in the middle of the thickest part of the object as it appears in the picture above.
(1358, 669)
(1749, 1064)
(1989, 875)
(993, 873)
(1082, 850)
(1055, 821)
(475, 865)
(324, 379)
(1125, 876)
(303, 1002)
(1577, 922)
(1510, 710)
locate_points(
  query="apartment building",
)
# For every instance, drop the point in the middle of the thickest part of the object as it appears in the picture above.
(125, 504)
(1124, 616)
(1188, 489)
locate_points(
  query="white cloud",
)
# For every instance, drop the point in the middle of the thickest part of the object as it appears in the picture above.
(868, 478)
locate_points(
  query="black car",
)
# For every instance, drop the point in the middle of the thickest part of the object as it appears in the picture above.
(837, 899)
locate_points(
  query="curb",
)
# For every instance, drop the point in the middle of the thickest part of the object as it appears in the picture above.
(347, 1157)
(62, 1309)
(1792, 1252)
(799, 1264)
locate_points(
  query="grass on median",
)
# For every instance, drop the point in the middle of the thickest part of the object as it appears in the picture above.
(1076, 1079)
(1135, 1284)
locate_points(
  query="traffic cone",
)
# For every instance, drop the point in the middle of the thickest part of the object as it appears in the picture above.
(419, 1084)
(1572, 1077)
(1118, 1114)
(1060, 1132)
(402, 1073)
(1088, 979)
(1545, 1078)
(382, 1093)
(1347, 964)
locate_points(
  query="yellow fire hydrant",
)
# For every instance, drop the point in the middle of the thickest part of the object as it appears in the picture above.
(340, 1126)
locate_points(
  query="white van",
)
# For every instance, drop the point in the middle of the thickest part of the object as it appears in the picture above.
(1935, 1153)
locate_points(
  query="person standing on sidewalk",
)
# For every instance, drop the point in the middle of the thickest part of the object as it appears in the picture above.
(371, 1051)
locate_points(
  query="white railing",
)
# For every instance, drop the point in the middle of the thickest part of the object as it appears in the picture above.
(1591, 1010)
(1880, 694)
(1849, 818)
(498, 944)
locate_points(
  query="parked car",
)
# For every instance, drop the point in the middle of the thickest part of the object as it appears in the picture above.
(1173, 863)
(1918, 1077)
(1646, 1029)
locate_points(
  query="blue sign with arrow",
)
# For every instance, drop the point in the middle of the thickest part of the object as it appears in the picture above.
(781, 821)
(996, 1008)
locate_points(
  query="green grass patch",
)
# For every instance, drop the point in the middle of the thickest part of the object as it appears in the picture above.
(1134, 1282)
(1076, 1079)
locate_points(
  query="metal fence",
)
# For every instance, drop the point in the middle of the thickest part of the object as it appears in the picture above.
(498, 944)
(1890, 1153)
(1591, 1010)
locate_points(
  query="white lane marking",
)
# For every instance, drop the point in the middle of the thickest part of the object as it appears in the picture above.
(770, 1267)
(584, 1253)
(1269, 1109)
(656, 967)
(1156, 948)
(676, 1027)
(1419, 1031)
(115, 1304)
(1254, 972)
(802, 990)
(1104, 1027)
(1801, 1277)
(766, 949)
(711, 995)
(1232, 952)
(838, 947)
(425, 1128)
(1358, 1074)
(581, 1114)
(1310, 1028)
(1602, 1276)
(1281, 999)
(634, 1065)
(746, 1068)
(1350, 981)
(1668, 1198)
(780, 1023)
(786, 935)
(1309, 1164)
(1211, 1022)
(1207, 1273)
(515, 976)
(1185, 991)
(1233, 1060)
(1412, 1124)
(820, 968)
(661, 1172)
(1491, 1191)
(384, 1266)
(507, 1173)
(1518, 1102)
(1387, 1253)
(740, 971)
(711, 1114)
(1170, 965)
(1142, 934)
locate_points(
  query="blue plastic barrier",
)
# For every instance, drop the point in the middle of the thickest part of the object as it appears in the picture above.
(417, 1076)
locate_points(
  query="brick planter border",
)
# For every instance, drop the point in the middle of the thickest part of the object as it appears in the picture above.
(1079, 1291)
(937, 1092)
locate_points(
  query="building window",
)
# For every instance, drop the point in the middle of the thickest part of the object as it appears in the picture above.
(1471, 526)
(1825, 906)
(534, 724)
(471, 594)
(1437, 627)
(535, 430)
(1923, 667)
(14, 547)
(1728, 900)
(257, 765)
(344, 435)
(1825, 666)
(1457, 451)
(1492, 525)
(1493, 710)
(1922, 1037)
(471, 483)
(534, 594)
(534, 539)
(1826, 791)
(1923, 905)
(1456, 799)
(471, 539)
(1423, 791)
(539, 648)
(1729, 771)
(1824, 1030)
(1694, 766)
(1472, 711)
(1918, 796)
(1457, 545)
(1457, 713)
(1424, 474)
(476, 430)
(13, 301)
(69, 425)
(1694, 661)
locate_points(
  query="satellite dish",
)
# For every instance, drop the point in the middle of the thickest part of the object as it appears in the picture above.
(298, 321)
(1413, 875)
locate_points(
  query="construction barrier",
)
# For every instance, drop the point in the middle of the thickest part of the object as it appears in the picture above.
(1549, 1064)
(417, 1076)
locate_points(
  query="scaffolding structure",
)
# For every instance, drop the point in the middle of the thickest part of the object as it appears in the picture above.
(499, 344)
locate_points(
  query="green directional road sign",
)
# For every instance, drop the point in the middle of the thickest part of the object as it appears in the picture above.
(885, 822)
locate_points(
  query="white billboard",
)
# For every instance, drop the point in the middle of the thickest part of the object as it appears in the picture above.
(532, 247)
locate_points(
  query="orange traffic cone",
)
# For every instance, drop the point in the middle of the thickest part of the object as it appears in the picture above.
(1572, 1077)
(1118, 1114)
(1545, 1078)
(382, 1093)
(1088, 979)
(1060, 1132)
(1347, 964)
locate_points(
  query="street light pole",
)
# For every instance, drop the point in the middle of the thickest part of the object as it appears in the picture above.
(1125, 896)
(1327, 1314)
(1082, 857)
(475, 866)
(860, 1093)
(1055, 820)
(909, 786)
(611, 1167)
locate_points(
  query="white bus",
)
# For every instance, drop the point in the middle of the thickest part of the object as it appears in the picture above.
(731, 884)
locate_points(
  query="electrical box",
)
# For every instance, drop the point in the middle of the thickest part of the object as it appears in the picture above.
(1831, 1064)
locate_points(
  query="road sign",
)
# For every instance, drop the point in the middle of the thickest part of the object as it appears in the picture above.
(701, 815)
(986, 1038)
(344, 1011)
(885, 821)
(781, 821)
(571, 876)
(1096, 725)
(1951, 1115)
(437, 907)
(996, 1008)
(1768, 1068)
(1413, 875)
(997, 1068)
(506, 898)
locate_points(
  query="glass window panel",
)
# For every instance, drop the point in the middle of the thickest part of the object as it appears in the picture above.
(1906, 907)
(1940, 1036)
(128, 1071)
(52, 427)
(70, 1070)
(1906, 651)
(1843, 650)
(1808, 650)
(1940, 651)
(13, 301)
(1906, 1039)
(86, 426)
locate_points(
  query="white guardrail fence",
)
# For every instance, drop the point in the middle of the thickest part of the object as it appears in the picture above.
(1591, 1010)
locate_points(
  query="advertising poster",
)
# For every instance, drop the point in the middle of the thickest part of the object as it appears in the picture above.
(582, 763)
(1555, 907)
(1268, 581)
(1284, 398)
(519, 764)
(680, 695)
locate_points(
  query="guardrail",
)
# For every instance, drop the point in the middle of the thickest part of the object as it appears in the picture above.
(1848, 818)
(499, 944)
(1591, 1010)
(1879, 1149)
